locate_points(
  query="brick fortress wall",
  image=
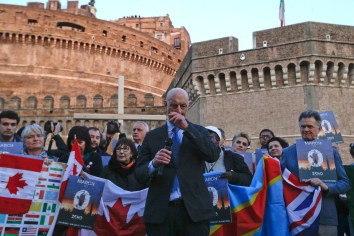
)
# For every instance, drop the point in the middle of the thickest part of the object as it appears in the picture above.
(56, 62)
(298, 67)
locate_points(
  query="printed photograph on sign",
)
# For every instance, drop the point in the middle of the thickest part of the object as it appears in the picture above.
(219, 194)
(316, 160)
(81, 201)
(330, 129)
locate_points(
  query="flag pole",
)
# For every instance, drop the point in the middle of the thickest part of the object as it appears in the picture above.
(282, 13)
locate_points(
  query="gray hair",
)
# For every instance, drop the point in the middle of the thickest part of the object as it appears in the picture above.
(146, 126)
(309, 114)
(32, 128)
(173, 91)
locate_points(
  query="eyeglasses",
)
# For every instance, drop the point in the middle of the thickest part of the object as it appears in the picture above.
(243, 143)
(124, 149)
(182, 106)
(8, 124)
(265, 136)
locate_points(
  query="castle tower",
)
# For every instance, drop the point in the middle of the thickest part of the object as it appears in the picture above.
(291, 69)
(60, 62)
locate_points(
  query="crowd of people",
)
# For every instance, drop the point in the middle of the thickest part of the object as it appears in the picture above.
(171, 160)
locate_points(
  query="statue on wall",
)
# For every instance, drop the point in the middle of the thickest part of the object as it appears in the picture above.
(92, 3)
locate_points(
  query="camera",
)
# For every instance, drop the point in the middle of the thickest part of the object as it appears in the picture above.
(113, 127)
(48, 126)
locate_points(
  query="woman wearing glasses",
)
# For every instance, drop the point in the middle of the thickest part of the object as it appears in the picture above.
(121, 167)
(241, 142)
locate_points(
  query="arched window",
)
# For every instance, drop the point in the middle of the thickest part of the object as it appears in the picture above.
(81, 101)
(48, 102)
(31, 102)
(65, 102)
(15, 103)
(114, 100)
(132, 100)
(149, 100)
(97, 101)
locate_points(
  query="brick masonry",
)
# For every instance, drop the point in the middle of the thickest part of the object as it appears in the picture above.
(55, 62)
(299, 67)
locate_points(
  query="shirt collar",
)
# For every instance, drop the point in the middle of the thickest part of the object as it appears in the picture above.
(170, 126)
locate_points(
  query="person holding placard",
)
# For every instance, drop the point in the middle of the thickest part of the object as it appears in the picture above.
(310, 126)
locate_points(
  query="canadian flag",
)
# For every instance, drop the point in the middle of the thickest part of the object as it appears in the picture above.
(18, 178)
(74, 167)
(120, 212)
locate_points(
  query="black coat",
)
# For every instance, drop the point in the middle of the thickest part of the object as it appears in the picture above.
(123, 178)
(234, 163)
(61, 150)
(195, 149)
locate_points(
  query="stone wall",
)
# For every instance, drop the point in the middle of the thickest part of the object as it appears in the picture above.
(268, 87)
(303, 31)
(58, 62)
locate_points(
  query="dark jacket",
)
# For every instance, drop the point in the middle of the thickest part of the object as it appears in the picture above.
(17, 138)
(123, 178)
(234, 163)
(195, 149)
(61, 150)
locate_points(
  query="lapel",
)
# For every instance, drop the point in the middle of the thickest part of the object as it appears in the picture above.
(227, 161)
(163, 136)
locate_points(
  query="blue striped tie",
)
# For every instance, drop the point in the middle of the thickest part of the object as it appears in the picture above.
(176, 143)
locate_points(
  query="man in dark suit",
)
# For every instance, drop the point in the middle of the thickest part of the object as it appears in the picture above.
(178, 201)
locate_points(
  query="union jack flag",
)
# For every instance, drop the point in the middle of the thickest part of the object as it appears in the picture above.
(303, 205)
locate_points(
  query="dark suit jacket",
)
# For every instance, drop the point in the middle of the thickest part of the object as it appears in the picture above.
(196, 148)
(234, 162)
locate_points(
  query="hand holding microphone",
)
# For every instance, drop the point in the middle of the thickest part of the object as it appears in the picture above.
(168, 146)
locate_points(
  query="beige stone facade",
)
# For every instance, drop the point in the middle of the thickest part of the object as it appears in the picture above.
(291, 69)
(57, 62)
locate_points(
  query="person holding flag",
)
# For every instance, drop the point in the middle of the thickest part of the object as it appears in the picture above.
(92, 160)
(310, 126)
(75, 166)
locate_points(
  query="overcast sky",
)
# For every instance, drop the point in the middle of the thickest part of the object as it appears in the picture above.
(210, 19)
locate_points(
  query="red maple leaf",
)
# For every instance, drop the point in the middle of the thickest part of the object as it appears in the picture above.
(117, 225)
(75, 172)
(15, 183)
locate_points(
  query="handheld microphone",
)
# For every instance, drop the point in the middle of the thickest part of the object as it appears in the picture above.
(168, 146)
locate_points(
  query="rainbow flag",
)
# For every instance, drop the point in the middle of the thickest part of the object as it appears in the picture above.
(258, 209)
